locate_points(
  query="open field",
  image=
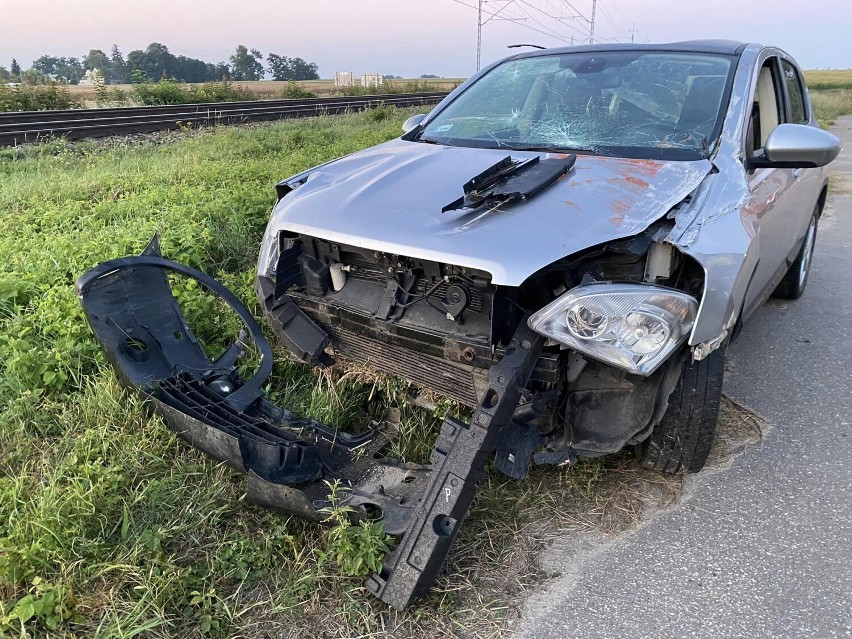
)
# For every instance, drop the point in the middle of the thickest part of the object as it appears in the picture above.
(112, 527)
(818, 80)
(831, 93)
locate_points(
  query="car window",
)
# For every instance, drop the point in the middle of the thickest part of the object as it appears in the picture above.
(794, 90)
(605, 102)
(765, 111)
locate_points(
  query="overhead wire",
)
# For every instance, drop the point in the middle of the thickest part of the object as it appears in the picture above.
(531, 17)
(549, 33)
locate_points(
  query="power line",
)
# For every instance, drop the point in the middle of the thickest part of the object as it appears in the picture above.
(535, 18)
(581, 32)
(500, 14)
(612, 22)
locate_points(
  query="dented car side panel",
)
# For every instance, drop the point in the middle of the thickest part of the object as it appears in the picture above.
(733, 218)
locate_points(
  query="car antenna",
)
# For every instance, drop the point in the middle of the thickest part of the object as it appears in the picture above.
(515, 46)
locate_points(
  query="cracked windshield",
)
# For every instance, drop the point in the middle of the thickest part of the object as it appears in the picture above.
(635, 104)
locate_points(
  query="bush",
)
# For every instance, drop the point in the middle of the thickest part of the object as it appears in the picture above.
(155, 93)
(379, 113)
(390, 87)
(37, 98)
(108, 96)
(171, 92)
(294, 91)
(219, 92)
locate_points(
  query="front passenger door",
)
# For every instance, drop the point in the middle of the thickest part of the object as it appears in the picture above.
(767, 214)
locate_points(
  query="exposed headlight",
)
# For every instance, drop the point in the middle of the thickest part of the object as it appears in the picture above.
(632, 326)
(267, 260)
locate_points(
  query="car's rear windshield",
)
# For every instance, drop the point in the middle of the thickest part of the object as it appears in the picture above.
(654, 104)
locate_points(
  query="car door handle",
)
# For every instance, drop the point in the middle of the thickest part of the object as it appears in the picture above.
(797, 173)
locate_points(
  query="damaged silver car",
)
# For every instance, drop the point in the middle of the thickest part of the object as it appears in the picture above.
(567, 243)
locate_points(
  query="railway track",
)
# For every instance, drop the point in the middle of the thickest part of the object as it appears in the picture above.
(25, 127)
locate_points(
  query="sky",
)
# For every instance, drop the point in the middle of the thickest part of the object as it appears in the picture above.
(406, 37)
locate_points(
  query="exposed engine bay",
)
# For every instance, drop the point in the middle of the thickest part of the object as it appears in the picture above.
(443, 326)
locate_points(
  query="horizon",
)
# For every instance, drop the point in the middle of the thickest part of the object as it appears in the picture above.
(378, 36)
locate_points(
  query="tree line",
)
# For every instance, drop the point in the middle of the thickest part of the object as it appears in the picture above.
(155, 63)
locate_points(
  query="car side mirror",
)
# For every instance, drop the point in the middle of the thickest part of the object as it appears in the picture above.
(412, 123)
(797, 146)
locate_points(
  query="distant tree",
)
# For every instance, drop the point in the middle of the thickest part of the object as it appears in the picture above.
(68, 70)
(159, 61)
(218, 71)
(133, 67)
(427, 76)
(4, 74)
(246, 65)
(96, 59)
(283, 68)
(138, 76)
(115, 57)
(47, 65)
(32, 77)
(118, 66)
(15, 68)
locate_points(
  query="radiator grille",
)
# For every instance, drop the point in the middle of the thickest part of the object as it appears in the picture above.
(431, 372)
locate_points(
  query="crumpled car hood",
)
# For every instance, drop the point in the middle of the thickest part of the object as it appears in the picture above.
(389, 198)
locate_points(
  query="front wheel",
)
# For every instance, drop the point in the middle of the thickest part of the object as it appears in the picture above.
(796, 278)
(683, 438)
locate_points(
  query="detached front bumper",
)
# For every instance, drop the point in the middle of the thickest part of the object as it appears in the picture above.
(288, 459)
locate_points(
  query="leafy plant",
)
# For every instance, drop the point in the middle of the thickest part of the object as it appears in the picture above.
(379, 113)
(106, 96)
(46, 605)
(171, 92)
(37, 98)
(357, 549)
(294, 91)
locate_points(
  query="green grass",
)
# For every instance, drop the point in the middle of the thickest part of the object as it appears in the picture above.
(110, 526)
(818, 80)
(830, 104)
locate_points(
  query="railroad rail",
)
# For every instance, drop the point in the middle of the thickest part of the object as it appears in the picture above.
(22, 127)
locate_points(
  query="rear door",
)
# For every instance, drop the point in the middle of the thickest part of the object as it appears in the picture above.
(807, 182)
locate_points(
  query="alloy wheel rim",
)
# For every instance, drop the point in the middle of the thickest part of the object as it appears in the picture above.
(807, 253)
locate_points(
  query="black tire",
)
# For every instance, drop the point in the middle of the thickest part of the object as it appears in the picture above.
(796, 278)
(683, 438)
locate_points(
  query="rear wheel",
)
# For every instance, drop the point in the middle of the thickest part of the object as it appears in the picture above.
(683, 438)
(794, 282)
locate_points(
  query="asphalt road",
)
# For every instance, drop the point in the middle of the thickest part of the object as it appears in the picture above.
(762, 548)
